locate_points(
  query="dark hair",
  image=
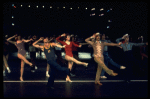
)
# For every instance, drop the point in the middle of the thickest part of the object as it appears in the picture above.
(67, 34)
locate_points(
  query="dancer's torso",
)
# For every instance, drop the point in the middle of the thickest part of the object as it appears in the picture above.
(49, 52)
(21, 49)
(98, 48)
(68, 49)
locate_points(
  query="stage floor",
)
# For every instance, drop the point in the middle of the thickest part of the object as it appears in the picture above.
(34, 84)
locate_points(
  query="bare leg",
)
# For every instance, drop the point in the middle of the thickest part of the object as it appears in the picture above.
(5, 61)
(24, 59)
(47, 70)
(70, 67)
(68, 58)
(21, 70)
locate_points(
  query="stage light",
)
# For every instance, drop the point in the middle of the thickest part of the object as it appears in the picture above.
(101, 9)
(86, 8)
(12, 17)
(63, 7)
(102, 14)
(50, 6)
(107, 27)
(12, 5)
(29, 6)
(21, 5)
(92, 9)
(108, 10)
(71, 8)
(13, 24)
(109, 21)
(43, 6)
(36, 6)
(78, 7)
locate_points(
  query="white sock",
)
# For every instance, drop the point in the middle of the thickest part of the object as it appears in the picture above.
(3, 71)
(7, 68)
(46, 72)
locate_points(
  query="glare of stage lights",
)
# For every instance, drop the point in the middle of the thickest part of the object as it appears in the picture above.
(50, 6)
(110, 8)
(92, 9)
(63, 7)
(12, 17)
(71, 8)
(86, 8)
(78, 7)
(101, 9)
(21, 5)
(92, 14)
(109, 21)
(102, 14)
(12, 5)
(13, 24)
(43, 6)
(29, 6)
(107, 27)
(36, 6)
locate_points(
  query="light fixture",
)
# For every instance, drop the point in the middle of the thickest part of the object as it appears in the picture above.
(78, 7)
(43, 6)
(12, 17)
(102, 14)
(13, 24)
(110, 8)
(50, 6)
(86, 8)
(92, 9)
(12, 5)
(107, 27)
(63, 7)
(71, 8)
(29, 6)
(101, 9)
(36, 6)
(21, 5)
(109, 21)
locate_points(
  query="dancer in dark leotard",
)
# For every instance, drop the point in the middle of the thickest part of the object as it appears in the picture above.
(21, 53)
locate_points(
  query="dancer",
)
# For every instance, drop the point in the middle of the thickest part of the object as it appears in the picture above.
(21, 53)
(75, 52)
(98, 48)
(129, 59)
(48, 49)
(5, 56)
(68, 51)
(107, 58)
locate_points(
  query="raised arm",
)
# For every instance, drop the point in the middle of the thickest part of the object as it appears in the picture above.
(38, 46)
(58, 39)
(139, 44)
(9, 39)
(88, 40)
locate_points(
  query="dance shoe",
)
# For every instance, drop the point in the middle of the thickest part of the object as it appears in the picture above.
(8, 70)
(122, 67)
(47, 75)
(68, 80)
(98, 83)
(114, 74)
(104, 77)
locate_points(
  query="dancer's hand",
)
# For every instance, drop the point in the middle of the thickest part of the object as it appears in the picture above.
(80, 45)
(63, 34)
(93, 36)
(31, 39)
(41, 38)
(64, 46)
(120, 43)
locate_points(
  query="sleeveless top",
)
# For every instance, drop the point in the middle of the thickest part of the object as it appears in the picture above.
(50, 53)
(98, 48)
(21, 49)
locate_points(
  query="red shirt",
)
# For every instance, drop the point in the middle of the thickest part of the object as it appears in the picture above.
(74, 48)
(68, 48)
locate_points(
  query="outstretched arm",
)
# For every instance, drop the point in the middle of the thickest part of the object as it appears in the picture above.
(112, 44)
(57, 45)
(38, 46)
(27, 40)
(9, 39)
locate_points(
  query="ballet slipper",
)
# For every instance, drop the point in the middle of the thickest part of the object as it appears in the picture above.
(98, 83)
(114, 74)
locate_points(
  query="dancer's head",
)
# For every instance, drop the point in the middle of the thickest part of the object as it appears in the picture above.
(103, 36)
(97, 37)
(67, 37)
(126, 38)
(46, 42)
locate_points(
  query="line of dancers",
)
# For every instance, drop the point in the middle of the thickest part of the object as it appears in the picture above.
(100, 55)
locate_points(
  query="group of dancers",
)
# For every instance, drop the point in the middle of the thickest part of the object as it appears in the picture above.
(100, 55)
